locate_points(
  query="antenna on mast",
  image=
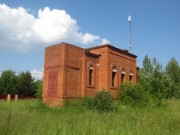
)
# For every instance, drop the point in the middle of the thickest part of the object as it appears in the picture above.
(130, 42)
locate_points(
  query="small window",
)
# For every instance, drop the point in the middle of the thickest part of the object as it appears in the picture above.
(114, 77)
(122, 76)
(90, 75)
(130, 76)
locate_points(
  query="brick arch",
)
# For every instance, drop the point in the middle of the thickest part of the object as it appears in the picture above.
(131, 72)
(90, 63)
(123, 70)
(113, 65)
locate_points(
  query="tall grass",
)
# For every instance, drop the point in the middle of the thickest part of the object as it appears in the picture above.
(32, 118)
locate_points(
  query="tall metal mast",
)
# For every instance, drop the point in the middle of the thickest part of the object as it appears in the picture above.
(130, 44)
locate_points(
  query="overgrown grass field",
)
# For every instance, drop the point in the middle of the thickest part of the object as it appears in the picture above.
(30, 117)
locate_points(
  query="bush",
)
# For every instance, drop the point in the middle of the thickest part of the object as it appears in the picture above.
(176, 90)
(39, 89)
(88, 102)
(133, 95)
(103, 101)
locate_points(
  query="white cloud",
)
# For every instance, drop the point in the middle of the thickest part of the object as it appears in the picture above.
(22, 31)
(86, 38)
(38, 75)
(105, 41)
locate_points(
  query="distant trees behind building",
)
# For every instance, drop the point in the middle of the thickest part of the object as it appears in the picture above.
(21, 84)
(155, 84)
(161, 83)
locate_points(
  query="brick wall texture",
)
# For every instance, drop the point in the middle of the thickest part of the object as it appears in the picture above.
(72, 72)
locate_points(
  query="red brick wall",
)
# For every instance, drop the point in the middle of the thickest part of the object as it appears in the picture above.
(72, 82)
(91, 88)
(121, 62)
(53, 75)
(102, 68)
(67, 67)
(52, 90)
(110, 58)
(73, 71)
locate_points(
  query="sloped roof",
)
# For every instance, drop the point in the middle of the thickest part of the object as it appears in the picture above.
(113, 48)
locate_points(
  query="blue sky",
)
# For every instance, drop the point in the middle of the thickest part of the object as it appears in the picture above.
(26, 31)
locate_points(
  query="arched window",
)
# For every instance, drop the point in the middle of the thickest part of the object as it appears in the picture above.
(114, 77)
(123, 73)
(91, 75)
(130, 76)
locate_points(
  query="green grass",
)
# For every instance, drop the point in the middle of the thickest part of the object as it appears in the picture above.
(32, 118)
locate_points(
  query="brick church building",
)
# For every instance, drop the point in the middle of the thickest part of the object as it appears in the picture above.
(73, 72)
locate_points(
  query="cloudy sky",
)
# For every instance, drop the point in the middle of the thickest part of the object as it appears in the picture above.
(27, 27)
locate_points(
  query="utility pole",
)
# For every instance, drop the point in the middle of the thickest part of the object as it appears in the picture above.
(130, 42)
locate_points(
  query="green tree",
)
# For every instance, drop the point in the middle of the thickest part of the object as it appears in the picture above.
(39, 87)
(8, 82)
(147, 65)
(133, 95)
(173, 70)
(154, 79)
(146, 72)
(26, 84)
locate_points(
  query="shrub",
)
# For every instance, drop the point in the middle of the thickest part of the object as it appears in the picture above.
(88, 102)
(103, 101)
(39, 86)
(39, 93)
(157, 91)
(133, 95)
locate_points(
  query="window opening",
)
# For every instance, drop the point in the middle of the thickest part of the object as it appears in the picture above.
(113, 78)
(122, 76)
(114, 72)
(130, 76)
(90, 75)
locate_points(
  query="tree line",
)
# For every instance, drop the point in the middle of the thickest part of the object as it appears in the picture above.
(159, 82)
(162, 83)
(21, 84)
(155, 84)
